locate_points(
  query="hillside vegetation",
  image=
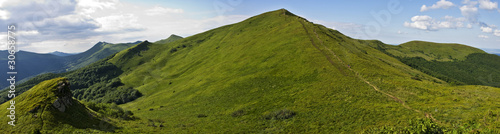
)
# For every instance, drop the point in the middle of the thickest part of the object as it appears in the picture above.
(279, 73)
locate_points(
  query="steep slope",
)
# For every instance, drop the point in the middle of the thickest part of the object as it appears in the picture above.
(49, 108)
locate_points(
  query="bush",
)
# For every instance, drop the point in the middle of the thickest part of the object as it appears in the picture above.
(280, 115)
(238, 113)
(110, 110)
(202, 116)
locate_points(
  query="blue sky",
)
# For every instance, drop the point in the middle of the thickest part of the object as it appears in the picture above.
(74, 26)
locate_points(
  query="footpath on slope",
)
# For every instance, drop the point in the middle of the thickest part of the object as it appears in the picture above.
(358, 75)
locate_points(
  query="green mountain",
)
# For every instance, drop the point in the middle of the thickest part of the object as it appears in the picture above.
(439, 51)
(98, 51)
(280, 73)
(453, 63)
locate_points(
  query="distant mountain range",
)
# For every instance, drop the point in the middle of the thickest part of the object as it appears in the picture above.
(62, 54)
(29, 64)
(272, 73)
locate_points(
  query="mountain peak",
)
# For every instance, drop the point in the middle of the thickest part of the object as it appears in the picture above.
(171, 38)
(174, 36)
(286, 12)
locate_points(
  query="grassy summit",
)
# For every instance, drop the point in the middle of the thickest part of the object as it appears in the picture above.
(432, 51)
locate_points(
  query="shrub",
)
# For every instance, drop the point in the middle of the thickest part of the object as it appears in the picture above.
(202, 116)
(110, 110)
(280, 115)
(238, 113)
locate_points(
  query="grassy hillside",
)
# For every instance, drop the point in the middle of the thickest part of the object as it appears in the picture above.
(439, 51)
(248, 76)
(48, 108)
(454, 63)
(279, 73)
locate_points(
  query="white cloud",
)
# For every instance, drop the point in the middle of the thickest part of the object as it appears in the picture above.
(486, 29)
(469, 2)
(119, 23)
(425, 22)
(488, 5)
(483, 36)
(4, 15)
(401, 32)
(496, 33)
(469, 26)
(27, 33)
(440, 4)
(161, 11)
(90, 6)
(470, 12)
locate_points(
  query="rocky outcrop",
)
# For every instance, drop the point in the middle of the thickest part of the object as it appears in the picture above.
(64, 96)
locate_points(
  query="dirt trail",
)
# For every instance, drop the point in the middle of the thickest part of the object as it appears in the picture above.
(427, 115)
(326, 55)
